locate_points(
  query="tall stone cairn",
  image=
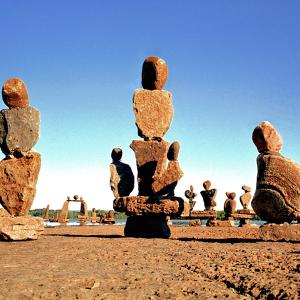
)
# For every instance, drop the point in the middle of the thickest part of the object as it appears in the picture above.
(277, 195)
(19, 132)
(157, 161)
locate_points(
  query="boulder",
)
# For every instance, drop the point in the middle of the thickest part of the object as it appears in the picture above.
(121, 179)
(154, 74)
(18, 177)
(277, 195)
(280, 232)
(153, 113)
(151, 160)
(14, 93)
(22, 129)
(21, 228)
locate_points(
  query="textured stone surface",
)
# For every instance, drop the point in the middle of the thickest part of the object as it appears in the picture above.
(208, 195)
(220, 223)
(4, 213)
(22, 129)
(145, 205)
(154, 74)
(153, 112)
(277, 195)
(14, 93)
(2, 129)
(121, 179)
(166, 183)
(202, 214)
(21, 228)
(151, 160)
(280, 232)
(230, 205)
(18, 177)
(245, 199)
(266, 138)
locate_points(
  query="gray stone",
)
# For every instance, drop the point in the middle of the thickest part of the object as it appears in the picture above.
(22, 129)
(2, 128)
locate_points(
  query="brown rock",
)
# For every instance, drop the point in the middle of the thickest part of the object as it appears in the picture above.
(21, 228)
(154, 74)
(18, 179)
(220, 223)
(208, 196)
(173, 151)
(195, 223)
(245, 199)
(229, 205)
(144, 205)
(22, 129)
(277, 195)
(246, 188)
(166, 183)
(121, 179)
(116, 154)
(14, 93)
(63, 214)
(266, 138)
(151, 159)
(280, 232)
(153, 113)
(206, 214)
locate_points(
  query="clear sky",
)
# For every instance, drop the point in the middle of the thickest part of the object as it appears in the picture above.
(232, 64)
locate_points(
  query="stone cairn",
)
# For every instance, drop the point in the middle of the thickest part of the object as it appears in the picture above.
(157, 164)
(191, 196)
(19, 132)
(277, 195)
(245, 215)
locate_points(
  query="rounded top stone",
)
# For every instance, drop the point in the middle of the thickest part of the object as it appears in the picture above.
(154, 74)
(266, 138)
(116, 154)
(173, 151)
(246, 188)
(206, 184)
(14, 93)
(232, 195)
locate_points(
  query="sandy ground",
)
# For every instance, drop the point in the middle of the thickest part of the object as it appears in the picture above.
(98, 262)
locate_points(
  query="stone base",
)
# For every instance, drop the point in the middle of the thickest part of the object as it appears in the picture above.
(147, 227)
(109, 221)
(154, 205)
(280, 232)
(220, 223)
(21, 228)
(202, 214)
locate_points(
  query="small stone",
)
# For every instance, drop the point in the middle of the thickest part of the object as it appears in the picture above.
(21, 228)
(22, 129)
(116, 154)
(14, 93)
(154, 74)
(266, 138)
(153, 113)
(18, 177)
(246, 188)
(173, 151)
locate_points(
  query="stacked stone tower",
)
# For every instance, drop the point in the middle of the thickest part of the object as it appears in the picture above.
(19, 132)
(157, 164)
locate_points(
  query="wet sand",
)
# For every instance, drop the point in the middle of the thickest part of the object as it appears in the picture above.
(98, 262)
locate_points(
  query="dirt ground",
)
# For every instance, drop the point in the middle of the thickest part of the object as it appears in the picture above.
(98, 262)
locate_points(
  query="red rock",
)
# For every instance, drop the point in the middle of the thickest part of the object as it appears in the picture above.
(280, 232)
(151, 159)
(21, 228)
(18, 177)
(153, 113)
(145, 205)
(154, 74)
(277, 195)
(266, 138)
(14, 93)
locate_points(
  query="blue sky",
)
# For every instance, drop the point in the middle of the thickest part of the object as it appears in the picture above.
(232, 64)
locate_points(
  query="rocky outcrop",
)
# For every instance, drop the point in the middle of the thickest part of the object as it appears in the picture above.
(18, 179)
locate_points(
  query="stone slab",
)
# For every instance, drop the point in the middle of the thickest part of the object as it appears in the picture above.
(145, 205)
(280, 232)
(201, 214)
(21, 228)
(153, 112)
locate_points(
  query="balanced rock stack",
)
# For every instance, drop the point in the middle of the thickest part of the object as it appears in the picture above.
(157, 164)
(19, 132)
(277, 195)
